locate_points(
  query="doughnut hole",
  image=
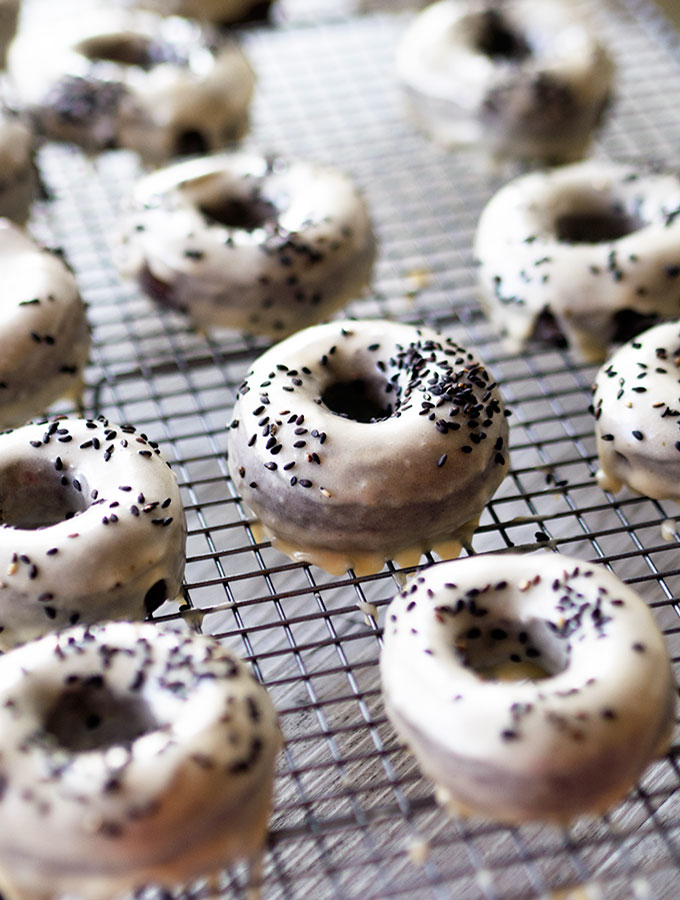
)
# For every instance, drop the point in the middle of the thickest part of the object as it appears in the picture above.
(122, 49)
(37, 494)
(242, 213)
(496, 38)
(597, 225)
(89, 716)
(257, 14)
(358, 399)
(191, 142)
(505, 650)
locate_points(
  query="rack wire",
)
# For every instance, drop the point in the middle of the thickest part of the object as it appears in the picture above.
(353, 817)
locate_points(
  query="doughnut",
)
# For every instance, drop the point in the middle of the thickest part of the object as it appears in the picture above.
(9, 18)
(116, 78)
(525, 79)
(241, 241)
(528, 687)
(44, 338)
(585, 255)
(130, 755)
(220, 12)
(19, 184)
(636, 403)
(93, 526)
(356, 442)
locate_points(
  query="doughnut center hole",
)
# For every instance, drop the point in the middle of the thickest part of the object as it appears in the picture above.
(358, 399)
(505, 650)
(496, 38)
(239, 205)
(90, 716)
(596, 226)
(233, 212)
(123, 49)
(39, 493)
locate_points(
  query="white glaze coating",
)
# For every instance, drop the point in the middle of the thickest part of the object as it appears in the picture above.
(131, 78)
(336, 488)
(93, 527)
(518, 750)
(636, 402)
(19, 179)
(221, 12)
(304, 248)
(130, 756)
(537, 91)
(587, 285)
(44, 335)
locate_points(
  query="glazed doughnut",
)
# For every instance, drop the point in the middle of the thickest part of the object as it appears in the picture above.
(220, 12)
(130, 756)
(93, 527)
(241, 241)
(636, 404)
(529, 687)
(525, 79)
(130, 78)
(44, 338)
(356, 442)
(587, 254)
(19, 183)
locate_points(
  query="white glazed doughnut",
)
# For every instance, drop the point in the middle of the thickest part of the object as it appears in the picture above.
(636, 402)
(587, 253)
(93, 527)
(360, 441)
(512, 747)
(19, 179)
(242, 241)
(129, 78)
(130, 756)
(44, 335)
(220, 12)
(524, 79)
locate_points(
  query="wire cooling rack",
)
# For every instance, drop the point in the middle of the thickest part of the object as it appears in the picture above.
(353, 817)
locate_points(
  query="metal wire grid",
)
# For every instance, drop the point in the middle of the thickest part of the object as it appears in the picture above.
(352, 812)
